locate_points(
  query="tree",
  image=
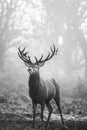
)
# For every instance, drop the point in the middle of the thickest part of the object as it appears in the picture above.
(76, 16)
(7, 8)
(19, 19)
(72, 16)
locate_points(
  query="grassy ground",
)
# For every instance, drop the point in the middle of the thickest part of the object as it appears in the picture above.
(16, 122)
(16, 111)
(13, 117)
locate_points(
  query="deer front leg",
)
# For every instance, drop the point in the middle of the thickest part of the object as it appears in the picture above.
(42, 110)
(50, 112)
(34, 113)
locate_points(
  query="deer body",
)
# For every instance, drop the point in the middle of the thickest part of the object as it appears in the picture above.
(41, 91)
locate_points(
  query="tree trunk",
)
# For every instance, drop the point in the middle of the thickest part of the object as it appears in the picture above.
(83, 44)
(2, 51)
(68, 53)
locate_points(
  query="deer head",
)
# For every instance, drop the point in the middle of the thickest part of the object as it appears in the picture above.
(33, 67)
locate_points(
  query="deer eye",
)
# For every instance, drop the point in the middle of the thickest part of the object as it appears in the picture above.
(29, 69)
(36, 66)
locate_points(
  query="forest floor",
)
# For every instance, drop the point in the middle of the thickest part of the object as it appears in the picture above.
(16, 117)
(16, 110)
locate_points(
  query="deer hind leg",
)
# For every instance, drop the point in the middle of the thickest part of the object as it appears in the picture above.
(57, 100)
(34, 113)
(42, 110)
(50, 112)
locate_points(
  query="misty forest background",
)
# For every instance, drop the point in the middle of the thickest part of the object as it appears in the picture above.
(37, 24)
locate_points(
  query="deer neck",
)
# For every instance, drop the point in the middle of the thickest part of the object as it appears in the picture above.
(34, 82)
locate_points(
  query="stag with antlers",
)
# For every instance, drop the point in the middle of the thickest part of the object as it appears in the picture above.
(41, 91)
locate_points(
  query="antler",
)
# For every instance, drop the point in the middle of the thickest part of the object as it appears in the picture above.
(49, 56)
(26, 59)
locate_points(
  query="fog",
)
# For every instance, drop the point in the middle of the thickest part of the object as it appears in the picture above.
(37, 25)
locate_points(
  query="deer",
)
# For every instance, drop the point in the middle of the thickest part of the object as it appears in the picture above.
(41, 91)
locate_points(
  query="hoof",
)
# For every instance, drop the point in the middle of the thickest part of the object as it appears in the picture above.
(64, 128)
(34, 126)
(46, 127)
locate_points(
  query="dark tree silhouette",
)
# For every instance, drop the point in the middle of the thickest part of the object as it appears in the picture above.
(76, 16)
(7, 8)
(72, 15)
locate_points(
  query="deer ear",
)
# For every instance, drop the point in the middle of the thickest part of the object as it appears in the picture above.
(41, 64)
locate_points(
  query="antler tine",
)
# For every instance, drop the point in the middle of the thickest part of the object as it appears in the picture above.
(24, 57)
(53, 53)
(41, 58)
(49, 56)
(29, 59)
(56, 51)
(19, 49)
(25, 54)
(23, 50)
(36, 59)
(53, 50)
